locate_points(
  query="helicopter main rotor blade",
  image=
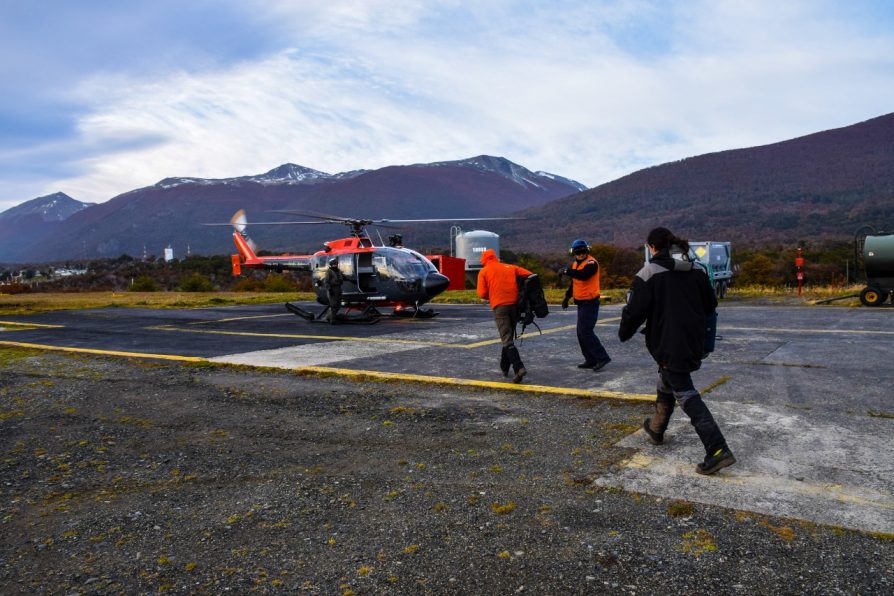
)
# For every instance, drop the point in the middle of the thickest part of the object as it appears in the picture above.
(334, 218)
(446, 219)
(385, 220)
(267, 223)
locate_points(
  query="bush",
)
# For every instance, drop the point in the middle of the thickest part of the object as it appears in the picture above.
(279, 283)
(14, 288)
(195, 282)
(144, 283)
(759, 270)
(248, 285)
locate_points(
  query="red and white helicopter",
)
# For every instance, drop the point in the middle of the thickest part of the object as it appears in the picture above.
(375, 276)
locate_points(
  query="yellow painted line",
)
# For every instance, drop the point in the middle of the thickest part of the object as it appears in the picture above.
(16, 344)
(374, 374)
(765, 482)
(796, 330)
(385, 340)
(572, 391)
(29, 325)
(305, 336)
(491, 342)
(285, 314)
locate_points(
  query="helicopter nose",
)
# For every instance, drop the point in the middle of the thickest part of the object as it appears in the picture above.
(435, 283)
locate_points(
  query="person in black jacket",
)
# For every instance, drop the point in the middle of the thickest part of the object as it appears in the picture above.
(673, 298)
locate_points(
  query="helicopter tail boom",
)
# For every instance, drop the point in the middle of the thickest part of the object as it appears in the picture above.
(245, 248)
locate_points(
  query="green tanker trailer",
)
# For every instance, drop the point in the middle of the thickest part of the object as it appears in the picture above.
(876, 251)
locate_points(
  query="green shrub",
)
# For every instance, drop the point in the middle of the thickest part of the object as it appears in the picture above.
(279, 283)
(196, 282)
(248, 285)
(144, 283)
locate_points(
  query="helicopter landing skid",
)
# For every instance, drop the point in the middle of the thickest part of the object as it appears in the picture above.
(297, 310)
(415, 313)
(368, 316)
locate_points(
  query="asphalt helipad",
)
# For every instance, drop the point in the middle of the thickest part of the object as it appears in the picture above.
(802, 393)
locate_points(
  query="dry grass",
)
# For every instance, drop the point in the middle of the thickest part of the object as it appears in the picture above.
(20, 304)
(809, 294)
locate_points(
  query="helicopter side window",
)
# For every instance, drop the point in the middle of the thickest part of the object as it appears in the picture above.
(346, 265)
(380, 263)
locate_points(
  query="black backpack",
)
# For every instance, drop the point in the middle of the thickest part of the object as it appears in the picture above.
(710, 320)
(531, 302)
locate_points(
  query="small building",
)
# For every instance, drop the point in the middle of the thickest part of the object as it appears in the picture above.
(453, 268)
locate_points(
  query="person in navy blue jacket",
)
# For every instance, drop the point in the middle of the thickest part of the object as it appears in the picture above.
(674, 299)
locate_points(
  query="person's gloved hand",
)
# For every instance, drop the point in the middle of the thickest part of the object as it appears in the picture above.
(565, 303)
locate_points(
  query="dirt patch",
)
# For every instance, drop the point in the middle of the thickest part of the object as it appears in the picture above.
(120, 475)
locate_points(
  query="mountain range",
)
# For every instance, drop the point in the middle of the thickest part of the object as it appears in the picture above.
(171, 212)
(813, 188)
(818, 187)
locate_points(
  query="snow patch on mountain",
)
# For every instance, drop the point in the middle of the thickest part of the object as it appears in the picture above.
(55, 207)
(287, 174)
(502, 166)
(563, 180)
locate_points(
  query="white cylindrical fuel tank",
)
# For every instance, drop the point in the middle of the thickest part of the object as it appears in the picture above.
(470, 245)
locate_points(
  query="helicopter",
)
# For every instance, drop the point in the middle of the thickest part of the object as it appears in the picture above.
(374, 276)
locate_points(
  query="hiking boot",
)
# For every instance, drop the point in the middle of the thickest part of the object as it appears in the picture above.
(519, 375)
(721, 459)
(654, 437)
(600, 365)
(505, 362)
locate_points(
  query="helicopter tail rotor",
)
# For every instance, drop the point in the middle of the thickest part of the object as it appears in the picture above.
(240, 223)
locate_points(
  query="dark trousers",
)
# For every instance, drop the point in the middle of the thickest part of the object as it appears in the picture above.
(590, 346)
(506, 318)
(333, 295)
(677, 386)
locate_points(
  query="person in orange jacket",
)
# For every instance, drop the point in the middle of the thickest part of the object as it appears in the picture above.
(584, 288)
(498, 283)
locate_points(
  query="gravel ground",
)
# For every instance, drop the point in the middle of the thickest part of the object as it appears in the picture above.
(139, 477)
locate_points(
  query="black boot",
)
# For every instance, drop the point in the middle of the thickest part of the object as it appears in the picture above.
(721, 459)
(717, 454)
(504, 362)
(517, 365)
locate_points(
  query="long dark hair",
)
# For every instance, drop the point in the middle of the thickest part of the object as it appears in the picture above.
(662, 239)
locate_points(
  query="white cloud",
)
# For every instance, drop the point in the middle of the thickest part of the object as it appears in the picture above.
(585, 91)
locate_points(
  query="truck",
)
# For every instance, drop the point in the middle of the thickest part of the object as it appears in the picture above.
(716, 258)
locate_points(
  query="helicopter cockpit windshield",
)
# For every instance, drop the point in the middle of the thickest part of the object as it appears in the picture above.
(401, 264)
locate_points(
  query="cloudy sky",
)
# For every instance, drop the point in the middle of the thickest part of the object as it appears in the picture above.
(98, 97)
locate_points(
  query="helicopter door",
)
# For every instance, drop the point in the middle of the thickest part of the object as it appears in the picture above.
(366, 273)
